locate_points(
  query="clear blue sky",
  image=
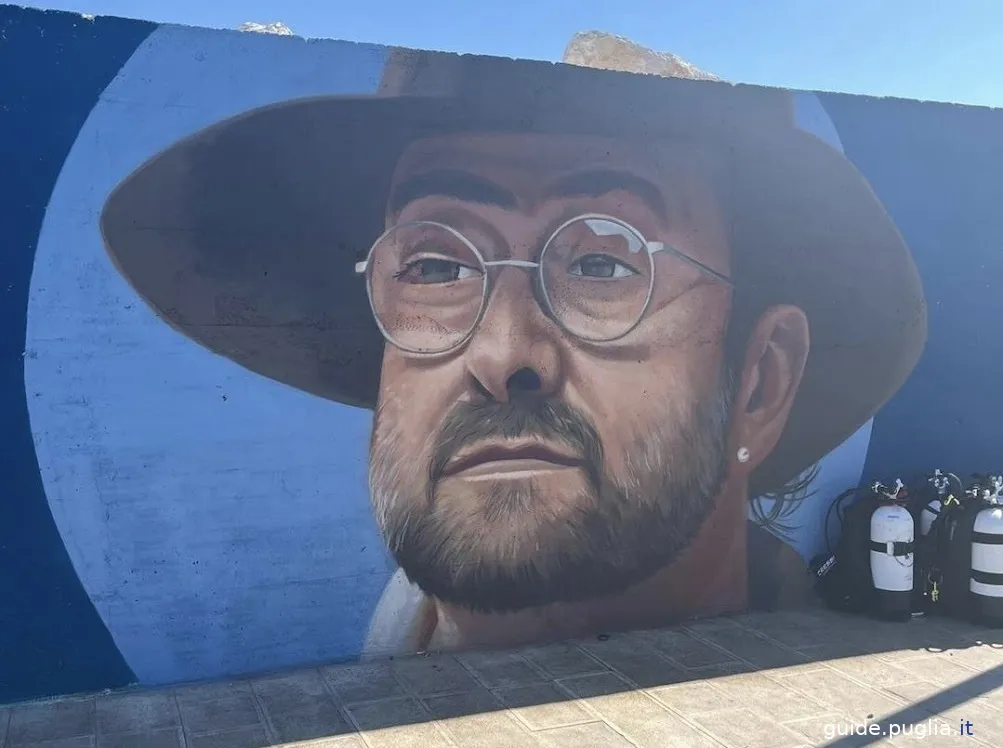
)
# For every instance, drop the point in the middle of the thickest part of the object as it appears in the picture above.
(942, 50)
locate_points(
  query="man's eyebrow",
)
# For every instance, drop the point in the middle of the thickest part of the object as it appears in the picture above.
(461, 185)
(601, 181)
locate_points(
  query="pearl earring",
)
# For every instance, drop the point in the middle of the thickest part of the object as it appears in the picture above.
(743, 455)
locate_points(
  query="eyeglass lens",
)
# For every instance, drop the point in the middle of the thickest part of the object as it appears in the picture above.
(428, 284)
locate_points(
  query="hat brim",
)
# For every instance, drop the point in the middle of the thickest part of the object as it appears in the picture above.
(243, 237)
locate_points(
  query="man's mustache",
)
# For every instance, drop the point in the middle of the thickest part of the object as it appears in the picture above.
(546, 420)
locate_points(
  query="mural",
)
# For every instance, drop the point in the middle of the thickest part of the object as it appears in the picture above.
(319, 351)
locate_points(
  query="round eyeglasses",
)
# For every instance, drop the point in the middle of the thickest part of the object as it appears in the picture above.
(429, 285)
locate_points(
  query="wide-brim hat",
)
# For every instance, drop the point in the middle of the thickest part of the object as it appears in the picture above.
(244, 236)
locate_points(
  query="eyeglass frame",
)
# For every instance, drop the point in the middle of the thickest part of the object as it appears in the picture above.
(652, 247)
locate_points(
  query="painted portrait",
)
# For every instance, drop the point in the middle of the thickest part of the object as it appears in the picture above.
(328, 351)
(592, 315)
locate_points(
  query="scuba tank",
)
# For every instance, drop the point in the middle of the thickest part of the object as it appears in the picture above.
(841, 573)
(934, 505)
(962, 587)
(929, 514)
(892, 553)
(986, 579)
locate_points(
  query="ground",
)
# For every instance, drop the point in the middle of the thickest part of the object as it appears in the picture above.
(802, 678)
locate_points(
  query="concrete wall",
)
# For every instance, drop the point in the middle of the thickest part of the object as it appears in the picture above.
(189, 364)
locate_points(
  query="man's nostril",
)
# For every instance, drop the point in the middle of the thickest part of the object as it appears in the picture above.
(524, 380)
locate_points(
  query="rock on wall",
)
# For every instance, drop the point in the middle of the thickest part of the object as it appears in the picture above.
(596, 49)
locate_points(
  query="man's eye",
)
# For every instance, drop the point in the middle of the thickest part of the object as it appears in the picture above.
(600, 266)
(435, 270)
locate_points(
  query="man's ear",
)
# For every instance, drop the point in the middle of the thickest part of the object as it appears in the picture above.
(774, 364)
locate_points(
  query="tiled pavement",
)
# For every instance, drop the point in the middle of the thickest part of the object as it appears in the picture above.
(779, 679)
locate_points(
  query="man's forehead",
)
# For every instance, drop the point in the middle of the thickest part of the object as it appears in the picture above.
(529, 157)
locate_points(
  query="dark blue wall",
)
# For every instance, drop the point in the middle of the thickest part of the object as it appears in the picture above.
(53, 67)
(939, 171)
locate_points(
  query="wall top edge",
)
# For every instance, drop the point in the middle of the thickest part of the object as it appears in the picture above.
(7, 10)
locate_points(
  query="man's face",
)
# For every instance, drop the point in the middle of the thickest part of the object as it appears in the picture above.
(528, 466)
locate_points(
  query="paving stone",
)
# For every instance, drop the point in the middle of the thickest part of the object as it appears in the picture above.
(304, 688)
(768, 696)
(434, 674)
(589, 735)
(747, 645)
(309, 722)
(873, 672)
(562, 660)
(299, 707)
(941, 670)
(397, 723)
(542, 706)
(744, 728)
(363, 682)
(977, 656)
(797, 633)
(215, 715)
(986, 722)
(633, 658)
(914, 672)
(476, 701)
(713, 672)
(689, 698)
(134, 712)
(984, 636)
(818, 728)
(927, 697)
(82, 741)
(245, 737)
(993, 697)
(801, 626)
(343, 741)
(895, 642)
(169, 738)
(841, 694)
(711, 626)
(478, 718)
(211, 691)
(685, 650)
(500, 669)
(4, 721)
(635, 714)
(33, 723)
(598, 684)
(809, 666)
(832, 650)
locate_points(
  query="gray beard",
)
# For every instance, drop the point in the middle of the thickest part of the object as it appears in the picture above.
(506, 549)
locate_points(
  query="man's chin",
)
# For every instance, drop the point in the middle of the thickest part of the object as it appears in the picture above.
(517, 566)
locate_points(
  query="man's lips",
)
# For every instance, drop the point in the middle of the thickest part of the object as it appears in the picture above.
(511, 457)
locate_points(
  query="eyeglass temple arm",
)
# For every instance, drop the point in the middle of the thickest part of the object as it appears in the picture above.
(654, 247)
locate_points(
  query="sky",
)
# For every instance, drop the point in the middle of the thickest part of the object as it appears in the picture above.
(937, 50)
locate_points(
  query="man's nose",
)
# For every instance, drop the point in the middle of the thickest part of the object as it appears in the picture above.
(516, 350)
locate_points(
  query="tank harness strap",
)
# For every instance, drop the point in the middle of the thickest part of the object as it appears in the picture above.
(987, 538)
(896, 548)
(986, 577)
